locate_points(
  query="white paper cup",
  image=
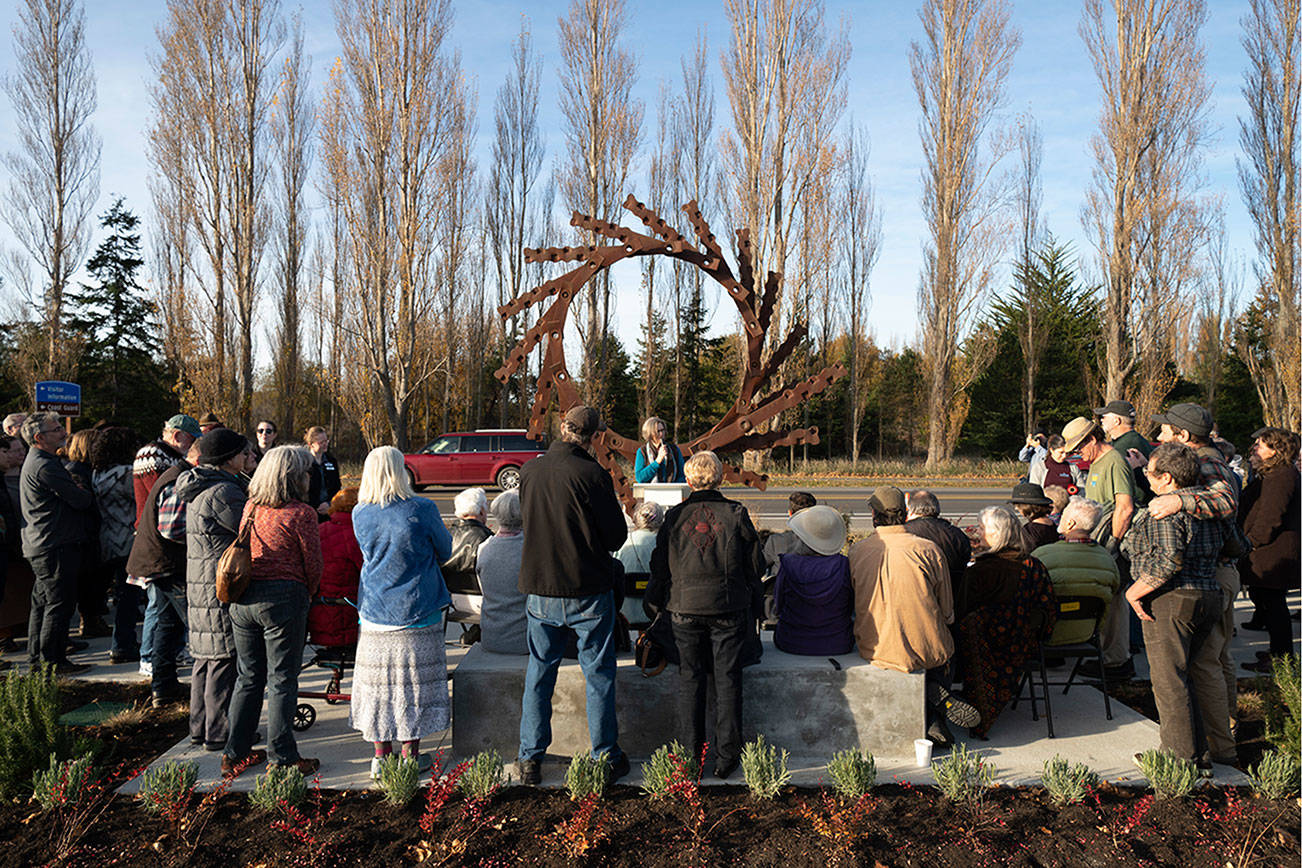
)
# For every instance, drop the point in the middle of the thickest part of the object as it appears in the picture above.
(922, 752)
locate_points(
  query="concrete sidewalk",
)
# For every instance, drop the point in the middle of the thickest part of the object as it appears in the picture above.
(1018, 746)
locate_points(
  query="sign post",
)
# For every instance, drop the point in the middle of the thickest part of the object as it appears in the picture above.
(56, 396)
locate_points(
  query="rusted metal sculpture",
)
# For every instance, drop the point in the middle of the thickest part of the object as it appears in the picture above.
(739, 429)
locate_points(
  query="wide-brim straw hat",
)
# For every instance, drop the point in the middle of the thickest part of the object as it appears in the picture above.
(819, 527)
(1077, 430)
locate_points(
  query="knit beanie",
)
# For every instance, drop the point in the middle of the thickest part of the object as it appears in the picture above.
(220, 445)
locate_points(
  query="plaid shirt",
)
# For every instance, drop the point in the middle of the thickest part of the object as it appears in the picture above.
(1179, 551)
(1219, 498)
(171, 515)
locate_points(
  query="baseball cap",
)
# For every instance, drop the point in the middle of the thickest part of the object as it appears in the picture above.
(182, 422)
(1187, 417)
(1119, 408)
(583, 420)
(886, 498)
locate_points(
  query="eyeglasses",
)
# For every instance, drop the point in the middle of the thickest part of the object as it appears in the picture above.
(266, 431)
(53, 430)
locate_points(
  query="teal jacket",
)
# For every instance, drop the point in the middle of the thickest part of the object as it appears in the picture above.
(1078, 569)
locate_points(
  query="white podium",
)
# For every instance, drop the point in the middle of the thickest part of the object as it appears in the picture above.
(666, 494)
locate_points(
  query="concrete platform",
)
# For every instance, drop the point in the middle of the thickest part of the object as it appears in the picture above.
(810, 705)
(1018, 746)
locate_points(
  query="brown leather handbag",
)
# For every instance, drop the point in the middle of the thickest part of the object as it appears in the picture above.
(235, 569)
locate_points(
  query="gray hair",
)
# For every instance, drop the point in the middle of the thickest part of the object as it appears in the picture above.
(1001, 528)
(14, 419)
(33, 424)
(471, 503)
(1085, 514)
(923, 504)
(648, 516)
(281, 477)
(506, 510)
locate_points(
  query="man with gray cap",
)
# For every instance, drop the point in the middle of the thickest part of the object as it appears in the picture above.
(904, 604)
(1117, 419)
(1217, 501)
(575, 521)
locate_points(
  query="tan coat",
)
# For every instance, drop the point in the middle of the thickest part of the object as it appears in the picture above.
(902, 601)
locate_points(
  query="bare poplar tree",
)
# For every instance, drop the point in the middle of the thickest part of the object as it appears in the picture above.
(513, 206)
(1213, 324)
(385, 129)
(661, 196)
(453, 222)
(291, 129)
(860, 242)
(786, 90)
(603, 128)
(1032, 333)
(959, 71)
(1268, 176)
(696, 179)
(54, 173)
(1149, 63)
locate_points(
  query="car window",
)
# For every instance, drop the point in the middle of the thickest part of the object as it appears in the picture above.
(519, 443)
(477, 444)
(442, 446)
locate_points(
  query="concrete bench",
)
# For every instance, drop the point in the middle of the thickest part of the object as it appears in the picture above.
(803, 704)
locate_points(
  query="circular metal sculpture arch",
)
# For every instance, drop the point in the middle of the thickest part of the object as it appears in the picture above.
(739, 429)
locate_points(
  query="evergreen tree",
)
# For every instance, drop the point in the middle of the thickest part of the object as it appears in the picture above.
(121, 376)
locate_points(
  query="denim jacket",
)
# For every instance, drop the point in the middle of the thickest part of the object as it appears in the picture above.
(402, 545)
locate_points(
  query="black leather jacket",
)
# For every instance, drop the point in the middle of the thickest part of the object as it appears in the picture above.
(708, 559)
(459, 568)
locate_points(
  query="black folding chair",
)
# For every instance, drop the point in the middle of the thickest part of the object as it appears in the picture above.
(1071, 609)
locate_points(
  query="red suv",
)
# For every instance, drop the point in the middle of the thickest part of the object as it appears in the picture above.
(473, 458)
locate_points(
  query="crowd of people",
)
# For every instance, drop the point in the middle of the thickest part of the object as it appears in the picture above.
(1163, 537)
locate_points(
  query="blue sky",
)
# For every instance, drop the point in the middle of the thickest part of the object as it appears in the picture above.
(1052, 77)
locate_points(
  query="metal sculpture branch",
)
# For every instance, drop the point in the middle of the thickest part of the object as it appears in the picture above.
(742, 426)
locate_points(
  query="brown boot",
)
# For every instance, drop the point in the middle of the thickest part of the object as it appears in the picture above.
(231, 768)
(307, 767)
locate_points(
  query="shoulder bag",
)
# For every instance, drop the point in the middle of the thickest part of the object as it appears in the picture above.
(235, 569)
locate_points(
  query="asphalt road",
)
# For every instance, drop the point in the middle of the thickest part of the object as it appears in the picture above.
(769, 508)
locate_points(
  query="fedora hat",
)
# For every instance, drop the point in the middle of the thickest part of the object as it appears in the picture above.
(1077, 430)
(1030, 494)
(819, 527)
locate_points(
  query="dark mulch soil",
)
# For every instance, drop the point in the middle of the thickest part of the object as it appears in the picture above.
(902, 826)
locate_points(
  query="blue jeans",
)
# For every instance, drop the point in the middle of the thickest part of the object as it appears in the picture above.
(551, 620)
(170, 614)
(151, 624)
(269, 625)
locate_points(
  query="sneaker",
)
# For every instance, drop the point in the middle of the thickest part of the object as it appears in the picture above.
(939, 734)
(529, 772)
(957, 711)
(196, 740)
(423, 762)
(620, 767)
(306, 767)
(376, 762)
(231, 768)
(68, 669)
(126, 657)
(146, 669)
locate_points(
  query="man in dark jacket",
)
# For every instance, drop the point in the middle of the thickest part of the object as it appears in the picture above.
(158, 557)
(706, 569)
(925, 521)
(214, 494)
(54, 511)
(575, 522)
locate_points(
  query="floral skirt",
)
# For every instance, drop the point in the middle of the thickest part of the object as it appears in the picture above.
(400, 684)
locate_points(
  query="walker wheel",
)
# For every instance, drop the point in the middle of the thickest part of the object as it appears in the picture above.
(304, 717)
(333, 688)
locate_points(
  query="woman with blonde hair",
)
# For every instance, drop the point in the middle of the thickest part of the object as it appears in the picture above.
(658, 460)
(325, 482)
(269, 621)
(400, 686)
